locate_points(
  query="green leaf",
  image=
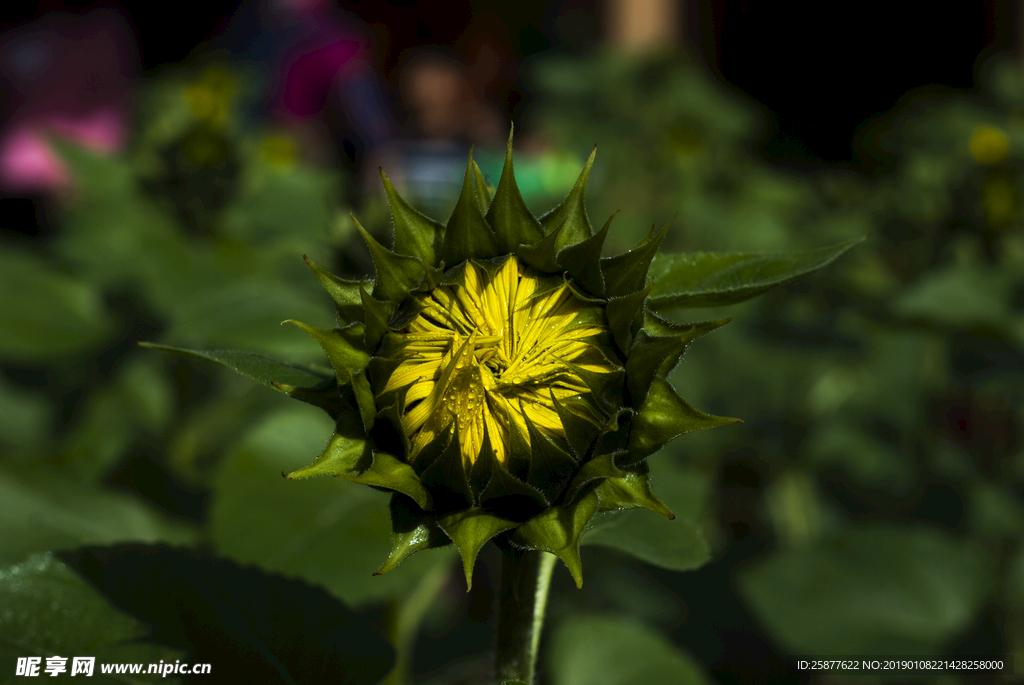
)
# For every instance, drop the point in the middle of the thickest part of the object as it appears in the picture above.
(657, 349)
(25, 416)
(551, 467)
(242, 312)
(139, 399)
(627, 273)
(50, 610)
(406, 543)
(598, 468)
(608, 650)
(614, 435)
(625, 315)
(712, 279)
(508, 216)
(345, 293)
(282, 205)
(44, 511)
(965, 293)
(349, 362)
(397, 274)
(251, 365)
(343, 355)
(908, 590)
(483, 191)
(606, 387)
(583, 260)
(414, 531)
(377, 314)
(467, 235)
(326, 530)
(351, 458)
(470, 530)
(541, 254)
(580, 432)
(416, 234)
(569, 221)
(46, 314)
(205, 606)
(663, 416)
(498, 488)
(631, 491)
(557, 530)
(446, 477)
(363, 395)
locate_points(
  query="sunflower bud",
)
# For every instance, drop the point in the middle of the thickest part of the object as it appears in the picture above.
(504, 380)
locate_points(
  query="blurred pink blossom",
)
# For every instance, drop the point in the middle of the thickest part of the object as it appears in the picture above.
(65, 76)
(29, 165)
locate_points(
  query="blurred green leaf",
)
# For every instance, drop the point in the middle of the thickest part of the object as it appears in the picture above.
(293, 204)
(206, 606)
(606, 650)
(43, 511)
(675, 545)
(1013, 581)
(710, 279)
(866, 458)
(138, 400)
(964, 293)
(870, 591)
(113, 234)
(46, 314)
(995, 510)
(249, 308)
(209, 428)
(679, 544)
(325, 530)
(49, 610)
(25, 415)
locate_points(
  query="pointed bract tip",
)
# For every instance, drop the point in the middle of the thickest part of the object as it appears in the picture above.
(577, 576)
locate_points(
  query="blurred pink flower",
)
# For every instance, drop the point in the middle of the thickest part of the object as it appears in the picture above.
(29, 165)
(66, 76)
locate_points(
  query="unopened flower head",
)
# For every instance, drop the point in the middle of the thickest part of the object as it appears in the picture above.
(491, 355)
(500, 376)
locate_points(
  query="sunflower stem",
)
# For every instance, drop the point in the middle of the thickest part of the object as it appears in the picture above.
(523, 599)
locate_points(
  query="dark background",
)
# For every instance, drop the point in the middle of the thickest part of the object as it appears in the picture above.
(820, 71)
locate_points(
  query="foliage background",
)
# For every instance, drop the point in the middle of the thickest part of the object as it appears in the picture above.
(870, 503)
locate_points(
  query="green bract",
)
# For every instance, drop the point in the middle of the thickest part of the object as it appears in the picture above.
(504, 380)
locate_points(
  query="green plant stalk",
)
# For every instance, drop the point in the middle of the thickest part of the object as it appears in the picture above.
(522, 602)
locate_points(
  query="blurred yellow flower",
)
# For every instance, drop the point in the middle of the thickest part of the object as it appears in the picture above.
(211, 97)
(279, 150)
(989, 145)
